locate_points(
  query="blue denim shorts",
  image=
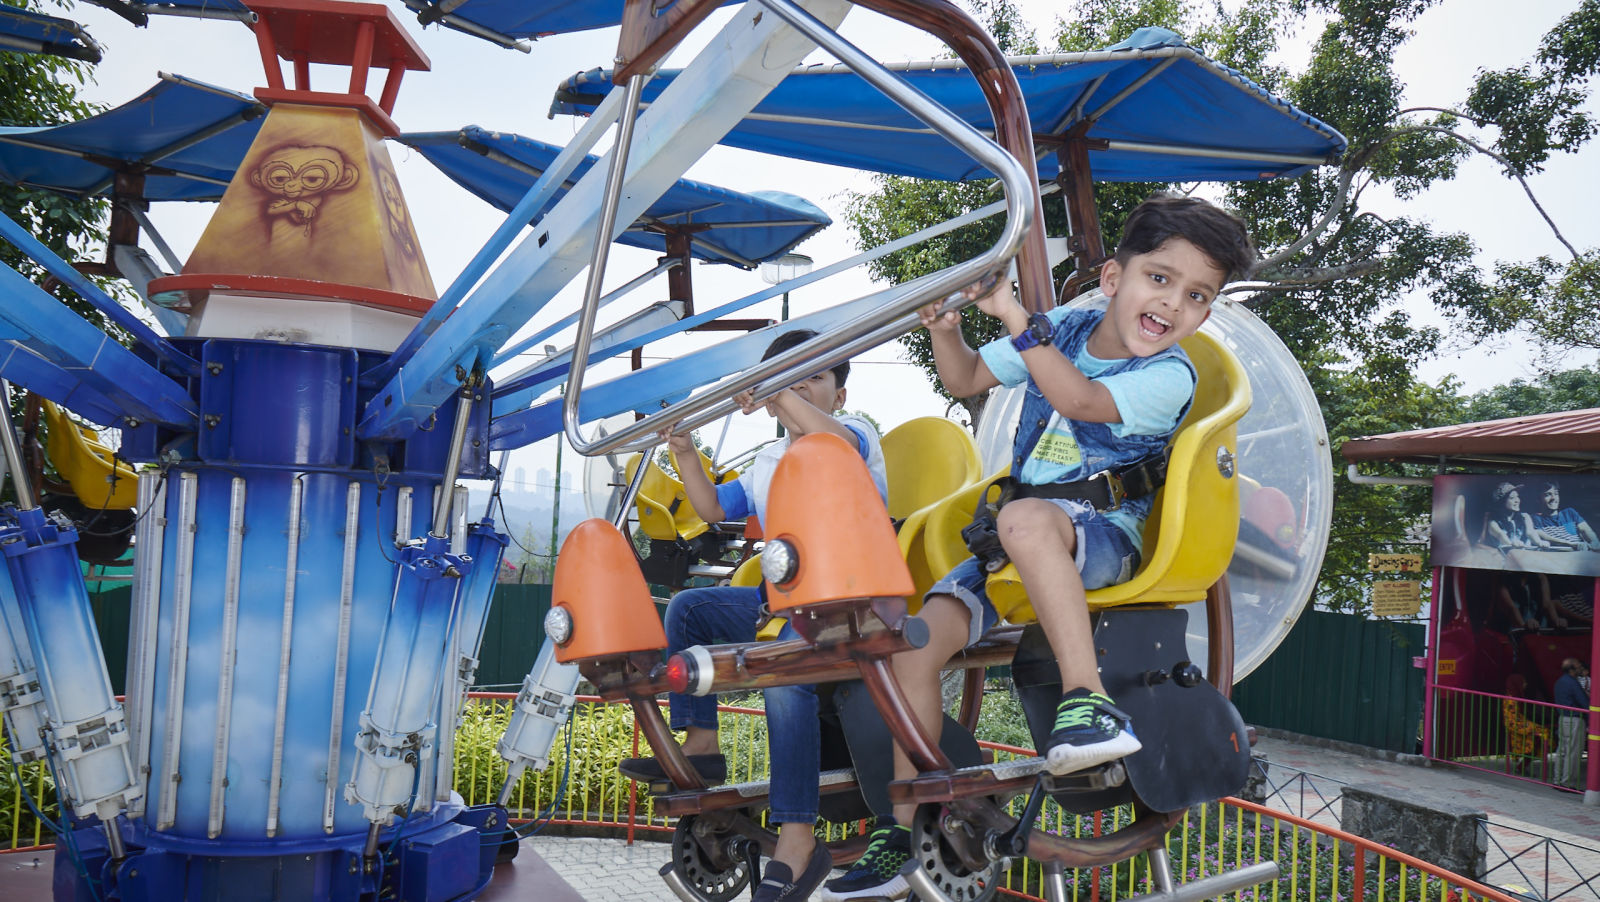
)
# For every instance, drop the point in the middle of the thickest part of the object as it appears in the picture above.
(1105, 557)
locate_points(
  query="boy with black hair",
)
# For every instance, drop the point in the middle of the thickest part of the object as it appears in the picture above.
(724, 614)
(1105, 392)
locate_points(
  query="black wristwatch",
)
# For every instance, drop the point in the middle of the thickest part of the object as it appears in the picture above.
(1040, 331)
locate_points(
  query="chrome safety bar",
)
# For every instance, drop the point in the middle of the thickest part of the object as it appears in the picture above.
(851, 338)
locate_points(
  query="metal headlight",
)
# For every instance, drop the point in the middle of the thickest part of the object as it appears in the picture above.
(558, 625)
(779, 561)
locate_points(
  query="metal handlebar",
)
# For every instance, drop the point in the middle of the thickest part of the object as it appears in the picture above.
(859, 334)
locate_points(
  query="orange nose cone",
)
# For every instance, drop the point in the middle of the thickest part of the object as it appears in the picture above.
(823, 502)
(602, 589)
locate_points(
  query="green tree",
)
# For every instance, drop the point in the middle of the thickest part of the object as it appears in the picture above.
(1577, 389)
(1333, 270)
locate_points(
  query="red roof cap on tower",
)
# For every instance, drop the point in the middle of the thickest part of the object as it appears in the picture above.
(332, 32)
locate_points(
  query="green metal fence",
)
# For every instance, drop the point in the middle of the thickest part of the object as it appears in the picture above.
(1340, 676)
(512, 634)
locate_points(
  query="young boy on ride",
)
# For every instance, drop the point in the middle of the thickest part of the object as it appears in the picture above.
(726, 614)
(1105, 392)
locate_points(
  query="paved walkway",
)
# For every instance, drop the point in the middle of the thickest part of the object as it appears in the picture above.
(609, 870)
(1543, 843)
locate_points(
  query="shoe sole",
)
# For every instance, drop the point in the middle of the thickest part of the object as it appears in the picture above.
(660, 776)
(1067, 759)
(896, 888)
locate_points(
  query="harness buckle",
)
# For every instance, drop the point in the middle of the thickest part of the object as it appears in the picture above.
(1115, 492)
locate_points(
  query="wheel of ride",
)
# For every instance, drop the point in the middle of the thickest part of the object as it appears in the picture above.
(932, 852)
(716, 876)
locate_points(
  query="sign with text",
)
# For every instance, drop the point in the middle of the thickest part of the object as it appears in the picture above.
(1394, 563)
(1400, 598)
(1517, 523)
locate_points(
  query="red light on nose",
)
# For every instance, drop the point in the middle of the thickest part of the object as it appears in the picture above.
(680, 673)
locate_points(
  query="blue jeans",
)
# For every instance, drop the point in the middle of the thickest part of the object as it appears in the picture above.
(724, 614)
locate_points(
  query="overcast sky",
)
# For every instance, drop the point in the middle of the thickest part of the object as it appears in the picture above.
(474, 82)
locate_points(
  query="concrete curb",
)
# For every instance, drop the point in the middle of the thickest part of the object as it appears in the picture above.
(1351, 748)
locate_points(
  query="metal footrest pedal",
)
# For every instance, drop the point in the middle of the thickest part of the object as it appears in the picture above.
(1105, 776)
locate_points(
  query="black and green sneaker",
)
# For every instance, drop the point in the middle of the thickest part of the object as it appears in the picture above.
(1089, 730)
(876, 874)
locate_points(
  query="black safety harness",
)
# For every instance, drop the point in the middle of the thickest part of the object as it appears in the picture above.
(1105, 491)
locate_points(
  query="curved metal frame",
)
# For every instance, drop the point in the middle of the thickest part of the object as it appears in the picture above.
(897, 317)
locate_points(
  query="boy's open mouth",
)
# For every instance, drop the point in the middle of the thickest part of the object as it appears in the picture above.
(1153, 326)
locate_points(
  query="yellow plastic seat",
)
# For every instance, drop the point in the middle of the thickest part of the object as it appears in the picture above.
(1193, 525)
(99, 480)
(926, 459)
(663, 507)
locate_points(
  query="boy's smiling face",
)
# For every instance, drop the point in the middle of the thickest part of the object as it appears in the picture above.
(1156, 300)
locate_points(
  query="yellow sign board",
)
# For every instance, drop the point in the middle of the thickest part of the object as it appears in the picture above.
(1401, 598)
(1394, 563)
(1447, 666)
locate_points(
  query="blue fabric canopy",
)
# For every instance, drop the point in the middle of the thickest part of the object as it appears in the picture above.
(1155, 111)
(508, 21)
(139, 12)
(726, 226)
(32, 32)
(186, 137)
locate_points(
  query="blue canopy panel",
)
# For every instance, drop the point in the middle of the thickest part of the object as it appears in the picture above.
(1158, 111)
(32, 32)
(508, 22)
(726, 226)
(186, 137)
(48, 349)
(139, 12)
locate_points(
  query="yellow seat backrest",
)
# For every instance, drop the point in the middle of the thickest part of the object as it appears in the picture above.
(930, 539)
(664, 510)
(1193, 525)
(926, 459)
(99, 480)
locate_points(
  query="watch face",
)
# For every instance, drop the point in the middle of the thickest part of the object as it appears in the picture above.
(1042, 329)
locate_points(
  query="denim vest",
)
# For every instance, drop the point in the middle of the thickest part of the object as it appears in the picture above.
(1101, 448)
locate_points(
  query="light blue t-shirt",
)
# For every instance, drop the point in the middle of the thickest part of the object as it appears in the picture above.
(1150, 401)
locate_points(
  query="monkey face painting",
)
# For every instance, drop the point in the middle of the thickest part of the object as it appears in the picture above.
(297, 179)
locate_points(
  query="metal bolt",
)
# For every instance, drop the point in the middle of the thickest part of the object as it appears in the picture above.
(1225, 462)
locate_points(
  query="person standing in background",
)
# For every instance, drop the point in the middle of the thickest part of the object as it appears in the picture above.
(1571, 691)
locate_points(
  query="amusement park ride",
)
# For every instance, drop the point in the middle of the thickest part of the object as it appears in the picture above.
(310, 591)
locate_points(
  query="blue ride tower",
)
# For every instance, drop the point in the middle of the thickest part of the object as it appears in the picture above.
(306, 605)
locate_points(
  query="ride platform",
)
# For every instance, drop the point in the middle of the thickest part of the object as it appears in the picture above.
(25, 877)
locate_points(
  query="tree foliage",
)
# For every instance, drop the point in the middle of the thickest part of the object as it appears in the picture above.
(1334, 270)
(1577, 389)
